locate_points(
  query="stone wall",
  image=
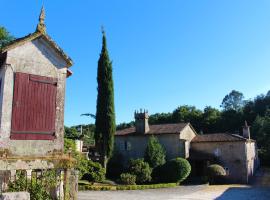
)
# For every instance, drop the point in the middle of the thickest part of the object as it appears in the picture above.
(38, 58)
(231, 155)
(252, 158)
(134, 146)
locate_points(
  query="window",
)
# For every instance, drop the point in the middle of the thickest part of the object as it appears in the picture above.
(127, 146)
(34, 107)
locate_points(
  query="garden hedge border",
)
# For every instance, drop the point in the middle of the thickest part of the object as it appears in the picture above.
(126, 187)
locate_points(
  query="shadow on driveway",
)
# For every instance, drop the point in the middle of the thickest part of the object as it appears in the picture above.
(248, 193)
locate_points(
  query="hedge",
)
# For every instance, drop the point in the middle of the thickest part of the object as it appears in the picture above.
(127, 187)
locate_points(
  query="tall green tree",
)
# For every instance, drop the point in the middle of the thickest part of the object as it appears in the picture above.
(5, 37)
(154, 153)
(105, 114)
(233, 101)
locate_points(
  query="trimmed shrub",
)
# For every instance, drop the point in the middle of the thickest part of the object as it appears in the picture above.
(95, 172)
(175, 170)
(154, 153)
(128, 179)
(141, 170)
(215, 173)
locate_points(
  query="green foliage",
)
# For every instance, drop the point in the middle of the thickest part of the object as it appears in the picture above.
(39, 188)
(215, 173)
(105, 114)
(233, 101)
(128, 179)
(154, 153)
(141, 170)
(125, 125)
(95, 172)
(88, 170)
(175, 170)
(5, 37)
(187, 114)
(87, 133)
(115, 165)
(215, 170)
(261, 132)
(126, 187)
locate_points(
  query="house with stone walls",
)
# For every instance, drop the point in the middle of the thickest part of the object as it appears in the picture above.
(33, 72)
(236, 153)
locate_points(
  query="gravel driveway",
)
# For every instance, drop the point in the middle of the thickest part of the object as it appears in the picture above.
(199, 192)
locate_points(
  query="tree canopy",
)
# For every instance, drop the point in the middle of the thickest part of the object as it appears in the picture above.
(233, 101)
(5, 37)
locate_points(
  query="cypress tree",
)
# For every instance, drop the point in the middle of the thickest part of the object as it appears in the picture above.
(105, 114)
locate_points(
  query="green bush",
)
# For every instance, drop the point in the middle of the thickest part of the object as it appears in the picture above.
(95, 172)
(154, 153)
(38, 189)
(215, 173)
(141, 170)
(128, 179)
(175, 170)
(88, 170)
(115, 166)
(126, 187)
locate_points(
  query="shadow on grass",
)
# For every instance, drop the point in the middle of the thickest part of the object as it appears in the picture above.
(248, 193)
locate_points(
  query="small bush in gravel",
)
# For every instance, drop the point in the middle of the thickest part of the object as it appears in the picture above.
(141, 170)
(215, 173)
(128, 179)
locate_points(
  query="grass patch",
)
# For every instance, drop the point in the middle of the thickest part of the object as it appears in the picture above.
(125, 187)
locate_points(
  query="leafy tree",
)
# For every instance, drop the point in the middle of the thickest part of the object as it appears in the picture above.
(105, 114)
(5, 37)
(125, 125)
(188, 114)
(154, 153)
(261, 132)
(233, 101)
(231, 121)
(211, 120)
(160, 118)
(71, 133)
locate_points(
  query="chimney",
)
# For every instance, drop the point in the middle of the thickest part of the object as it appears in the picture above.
(246, 131)
(141, 121)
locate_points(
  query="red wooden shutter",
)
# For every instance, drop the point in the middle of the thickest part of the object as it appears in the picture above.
(34, 107)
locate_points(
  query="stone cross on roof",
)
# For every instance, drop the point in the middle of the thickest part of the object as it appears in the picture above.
(41, 27)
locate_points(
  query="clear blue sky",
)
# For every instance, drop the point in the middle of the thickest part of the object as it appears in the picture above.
(165, 53)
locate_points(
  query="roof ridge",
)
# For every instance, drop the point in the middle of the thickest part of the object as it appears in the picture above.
(32, 36)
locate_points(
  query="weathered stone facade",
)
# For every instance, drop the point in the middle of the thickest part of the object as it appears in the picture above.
(239, 158)
(38, 58)
(175, 138)
(35, 55)
(237, 154)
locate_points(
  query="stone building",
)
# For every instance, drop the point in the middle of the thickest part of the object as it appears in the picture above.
(175, 138)
(237, 154)
(33, 72)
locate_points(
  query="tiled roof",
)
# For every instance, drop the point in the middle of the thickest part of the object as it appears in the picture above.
(32, 36)
(218, 137)
(155, 129)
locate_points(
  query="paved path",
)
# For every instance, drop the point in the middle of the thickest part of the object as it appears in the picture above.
(152, 194)
(226, 192)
